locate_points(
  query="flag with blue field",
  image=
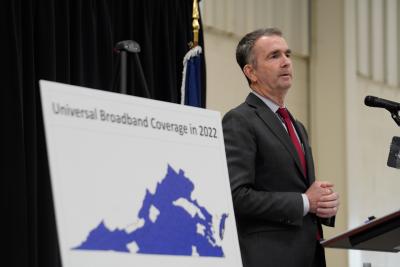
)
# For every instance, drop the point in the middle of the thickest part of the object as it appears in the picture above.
(191, 78)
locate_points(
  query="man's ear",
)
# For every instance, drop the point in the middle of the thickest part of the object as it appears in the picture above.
(248, 70)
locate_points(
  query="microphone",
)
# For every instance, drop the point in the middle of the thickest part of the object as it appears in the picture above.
(376, 102)
(128, 45)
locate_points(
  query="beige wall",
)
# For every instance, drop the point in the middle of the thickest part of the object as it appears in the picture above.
(328, 109)
(373, 188)
(226, 86)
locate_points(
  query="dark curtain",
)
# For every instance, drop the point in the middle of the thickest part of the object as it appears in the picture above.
(70, 42)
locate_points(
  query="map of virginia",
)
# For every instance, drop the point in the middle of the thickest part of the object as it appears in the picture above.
(174, 224)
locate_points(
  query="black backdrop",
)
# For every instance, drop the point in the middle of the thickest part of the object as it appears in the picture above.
(70, 42)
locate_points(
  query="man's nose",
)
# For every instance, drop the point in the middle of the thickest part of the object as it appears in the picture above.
(286, 61)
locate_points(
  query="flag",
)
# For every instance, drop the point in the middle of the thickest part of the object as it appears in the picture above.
(191, 78)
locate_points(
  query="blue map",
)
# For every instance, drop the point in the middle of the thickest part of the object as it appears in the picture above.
(174, 224)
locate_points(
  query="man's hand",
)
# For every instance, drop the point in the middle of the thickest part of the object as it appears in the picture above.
(315, 192)
(327, 205)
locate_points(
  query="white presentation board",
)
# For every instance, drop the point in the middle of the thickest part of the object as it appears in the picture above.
(137, 182)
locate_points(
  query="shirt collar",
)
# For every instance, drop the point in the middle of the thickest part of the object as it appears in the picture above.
(272, 105)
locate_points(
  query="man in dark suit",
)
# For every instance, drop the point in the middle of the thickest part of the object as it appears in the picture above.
(279, 206)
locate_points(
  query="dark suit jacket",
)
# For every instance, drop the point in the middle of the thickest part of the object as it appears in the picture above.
(267, 183)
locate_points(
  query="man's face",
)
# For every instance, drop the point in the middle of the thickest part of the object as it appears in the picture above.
(271, 65)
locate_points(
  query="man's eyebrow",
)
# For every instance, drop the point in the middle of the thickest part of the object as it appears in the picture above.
(273, 52)
(288, 51)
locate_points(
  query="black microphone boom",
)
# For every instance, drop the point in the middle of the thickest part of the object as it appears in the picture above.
(373, 101)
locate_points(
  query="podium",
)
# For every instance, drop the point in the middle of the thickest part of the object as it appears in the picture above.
(381, 234)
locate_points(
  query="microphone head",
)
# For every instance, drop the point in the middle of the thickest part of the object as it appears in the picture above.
(370, 101)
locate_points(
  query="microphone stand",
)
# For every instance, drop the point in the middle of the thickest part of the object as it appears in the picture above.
(132, 47)
(141, 74)
(395, 116)
(123, 76)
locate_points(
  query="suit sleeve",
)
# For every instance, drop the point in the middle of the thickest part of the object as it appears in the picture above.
(284, 208)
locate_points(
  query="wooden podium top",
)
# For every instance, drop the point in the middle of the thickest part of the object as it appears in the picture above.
(381, 234)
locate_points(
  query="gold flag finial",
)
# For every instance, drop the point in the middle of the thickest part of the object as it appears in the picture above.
(195, 24)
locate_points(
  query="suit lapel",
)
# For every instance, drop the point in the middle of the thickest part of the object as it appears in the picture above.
(275, 125)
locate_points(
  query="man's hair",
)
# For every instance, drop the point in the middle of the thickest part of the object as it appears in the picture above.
(244, 53)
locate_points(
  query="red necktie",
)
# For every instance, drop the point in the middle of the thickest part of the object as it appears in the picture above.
(283, 112)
